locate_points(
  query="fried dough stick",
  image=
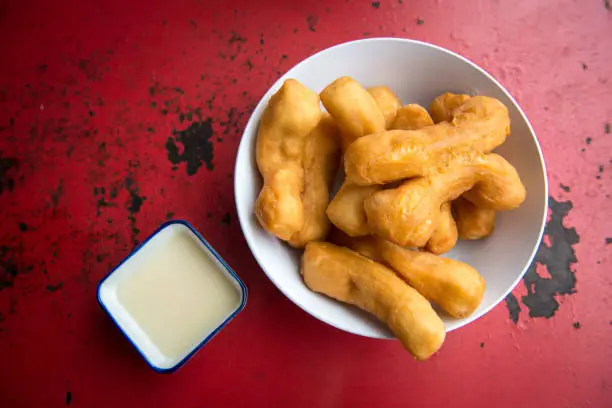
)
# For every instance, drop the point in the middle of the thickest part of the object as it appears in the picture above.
(453, 285)
(320, 162)
(292, 113)
(408, 214)
(351, 278)
(480, 125)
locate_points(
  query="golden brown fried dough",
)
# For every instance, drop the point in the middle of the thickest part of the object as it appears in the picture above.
(408, 214)
(290, 116)
(279, 206)
(346, 209)
(355, 111)
(411, 117)
(473, 222)
(320, 162)
(349, 277)
(500, 189)
(453, 285)
(442, 108)
(444, 236)
(366, 246)
(480, 125)
(387, 101)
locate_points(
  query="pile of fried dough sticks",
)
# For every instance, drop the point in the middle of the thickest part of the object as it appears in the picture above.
(415, 182)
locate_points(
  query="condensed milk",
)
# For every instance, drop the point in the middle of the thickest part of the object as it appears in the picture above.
(172, 295)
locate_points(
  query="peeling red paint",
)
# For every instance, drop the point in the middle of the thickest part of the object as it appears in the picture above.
(86, 113)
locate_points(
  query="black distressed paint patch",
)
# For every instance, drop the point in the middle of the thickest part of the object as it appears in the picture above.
(197, 147)
(169, 102)
(236, 38)
(102, 203)
(607, 128)
(136, 200)
(7, 165)
(68, 397)
(558, 258)
(133, 204)
(56, 287)
(513, 307)
(57, 194)
(234, 123)
(312, 21)
(564, 187)
(576, 325)
(8, 267)
(95, 65)
(101, 200)
(227, 219)
(376, 4)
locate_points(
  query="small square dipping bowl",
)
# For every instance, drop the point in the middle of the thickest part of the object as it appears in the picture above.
(109, 300)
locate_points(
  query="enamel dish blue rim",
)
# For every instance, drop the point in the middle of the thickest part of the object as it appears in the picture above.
(243, 290)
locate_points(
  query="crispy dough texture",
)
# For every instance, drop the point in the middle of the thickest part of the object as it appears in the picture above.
(320, 163)
(453, 285)
(351, 278)
(480, 125)
(353, 108)
(473, 222)
(444, 237)
(292, 113)
(411, 117)
(445, 234)
(442, 108)
(408, 214)
(387, 101)
(346, 209)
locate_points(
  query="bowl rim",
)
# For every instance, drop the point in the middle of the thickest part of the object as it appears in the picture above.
(242, 150)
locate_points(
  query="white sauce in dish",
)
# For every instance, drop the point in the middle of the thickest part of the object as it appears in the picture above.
(170, 295)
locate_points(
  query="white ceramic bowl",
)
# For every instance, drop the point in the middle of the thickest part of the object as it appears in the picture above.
(417, 72)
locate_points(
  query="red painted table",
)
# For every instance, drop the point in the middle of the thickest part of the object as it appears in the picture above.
(115, 116)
